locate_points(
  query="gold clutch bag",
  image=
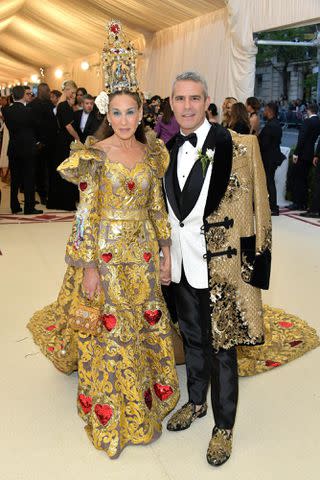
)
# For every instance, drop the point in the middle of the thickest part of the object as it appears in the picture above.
(86, 319)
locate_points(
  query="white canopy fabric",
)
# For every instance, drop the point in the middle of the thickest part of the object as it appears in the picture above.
(220, 45)
(214, 37)
(45, 33)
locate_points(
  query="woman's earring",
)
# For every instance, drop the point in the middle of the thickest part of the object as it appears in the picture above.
(139, 122)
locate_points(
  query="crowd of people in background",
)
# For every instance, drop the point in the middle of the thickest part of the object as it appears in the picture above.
(37, 131)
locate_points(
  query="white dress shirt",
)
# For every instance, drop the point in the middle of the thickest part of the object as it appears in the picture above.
(188, 154)
(83, 121)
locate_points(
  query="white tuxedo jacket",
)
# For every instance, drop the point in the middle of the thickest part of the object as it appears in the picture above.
(188, 241)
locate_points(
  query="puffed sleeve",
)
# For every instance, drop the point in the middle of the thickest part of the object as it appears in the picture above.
(83, 167)
(158, 159)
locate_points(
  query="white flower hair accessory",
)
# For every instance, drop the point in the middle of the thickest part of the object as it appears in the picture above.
(102, 102)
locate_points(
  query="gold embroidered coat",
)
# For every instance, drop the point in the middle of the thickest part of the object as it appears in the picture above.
(127, 378)
(238, 237)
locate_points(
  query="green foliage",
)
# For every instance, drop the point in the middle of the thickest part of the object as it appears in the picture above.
(286, 54)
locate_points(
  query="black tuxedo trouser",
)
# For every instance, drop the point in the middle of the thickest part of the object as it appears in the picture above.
(43, 159)
(203, 364)
(270, 170)
(22, 173)
(315, 205)
(300, 174)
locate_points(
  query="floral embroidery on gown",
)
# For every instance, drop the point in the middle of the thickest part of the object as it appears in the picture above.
(127, 377)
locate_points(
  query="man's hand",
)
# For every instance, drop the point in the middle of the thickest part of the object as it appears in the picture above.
(165, 270)
(91, 282)
(3, 171)
(315, 161)
(295, 158)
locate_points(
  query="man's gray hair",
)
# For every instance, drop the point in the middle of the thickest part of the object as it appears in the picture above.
(194, 77)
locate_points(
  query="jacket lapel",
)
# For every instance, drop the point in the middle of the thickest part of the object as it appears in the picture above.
(171, 183)
(194, 183)
(221, 168)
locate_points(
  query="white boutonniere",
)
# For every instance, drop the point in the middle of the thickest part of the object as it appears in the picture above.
(205, 159)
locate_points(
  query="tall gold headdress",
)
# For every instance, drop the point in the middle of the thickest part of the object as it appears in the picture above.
(119, 60)
(118, 63)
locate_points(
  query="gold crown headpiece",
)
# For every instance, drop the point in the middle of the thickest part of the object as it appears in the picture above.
(119, 61)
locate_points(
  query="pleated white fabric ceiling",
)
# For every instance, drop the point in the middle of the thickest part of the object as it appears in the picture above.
(45, 33)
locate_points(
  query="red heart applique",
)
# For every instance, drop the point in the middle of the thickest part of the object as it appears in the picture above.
(271, 363)
(147, 256)
(131, 185)
(152, 316)
(50, 328)
(50, 349)
(106, 257)
(162, 391)
(285, 324)
(109, 321)
(148, 398)
(85, 403)
(83, 186)
(103, 412)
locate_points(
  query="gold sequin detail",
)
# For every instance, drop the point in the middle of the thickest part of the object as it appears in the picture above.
(220, 446)
(217, 238)
(187, 414)
(237, 306)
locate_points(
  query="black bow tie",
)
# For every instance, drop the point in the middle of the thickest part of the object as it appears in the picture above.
(192, 138)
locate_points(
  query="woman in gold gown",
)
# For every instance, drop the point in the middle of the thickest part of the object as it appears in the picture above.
(127, 377)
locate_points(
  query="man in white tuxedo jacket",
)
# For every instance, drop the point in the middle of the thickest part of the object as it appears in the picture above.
(202, 185)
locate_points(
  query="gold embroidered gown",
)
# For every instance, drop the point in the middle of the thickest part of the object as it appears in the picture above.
(127, 378)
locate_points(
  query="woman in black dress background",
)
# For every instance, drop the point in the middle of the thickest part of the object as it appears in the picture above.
(62, 194)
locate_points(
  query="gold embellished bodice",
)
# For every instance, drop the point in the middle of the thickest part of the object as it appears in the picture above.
(119, 207)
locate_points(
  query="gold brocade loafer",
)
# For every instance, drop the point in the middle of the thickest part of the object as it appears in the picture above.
(220, 446)
(182, 419)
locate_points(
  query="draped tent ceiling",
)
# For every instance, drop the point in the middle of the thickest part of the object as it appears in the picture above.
(46, 33)
(214, 37)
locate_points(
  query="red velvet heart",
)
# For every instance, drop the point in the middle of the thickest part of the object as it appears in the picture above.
(152, 316)
(131, 185)
(162, 391)
(271, 363)
(83, 186)
(85, 403)
(109, 321)
(148, 398)
(147, 256)
(50, 349)
(106, 257)
(285, 324)
(50, 328)
(103, 412)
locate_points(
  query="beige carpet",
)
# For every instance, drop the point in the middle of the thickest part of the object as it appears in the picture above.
(42, 437)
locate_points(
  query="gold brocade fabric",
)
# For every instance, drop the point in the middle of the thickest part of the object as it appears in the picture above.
(287, 337)
(127, 377)
(237, 316)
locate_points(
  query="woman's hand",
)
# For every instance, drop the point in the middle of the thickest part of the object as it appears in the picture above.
(91, 284)
(165, 270)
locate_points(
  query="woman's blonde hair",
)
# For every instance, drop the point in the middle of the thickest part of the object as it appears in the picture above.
(68, 85)
(226, 115)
